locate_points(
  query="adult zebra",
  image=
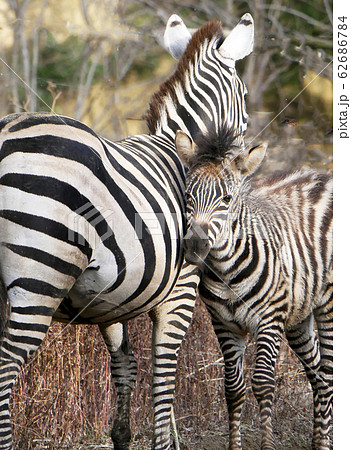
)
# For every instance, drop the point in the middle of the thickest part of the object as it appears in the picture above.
(266, 254)
(91, 230)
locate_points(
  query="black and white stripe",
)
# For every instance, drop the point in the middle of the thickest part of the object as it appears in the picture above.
(92, 230)
(205, 91)
(266, 255)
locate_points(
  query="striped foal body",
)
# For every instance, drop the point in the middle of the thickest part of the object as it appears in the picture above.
(92, 230)
(265, 250)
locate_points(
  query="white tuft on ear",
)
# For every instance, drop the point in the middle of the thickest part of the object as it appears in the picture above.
(176, 37)
(185, 147)
(250, 160)
(240, 41)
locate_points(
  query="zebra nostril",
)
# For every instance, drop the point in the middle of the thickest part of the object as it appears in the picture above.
(196, 250)
(196, 243)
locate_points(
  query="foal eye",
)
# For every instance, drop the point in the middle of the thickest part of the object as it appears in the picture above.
(227, 198)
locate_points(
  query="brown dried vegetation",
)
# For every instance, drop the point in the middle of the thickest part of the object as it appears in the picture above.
(65, 398)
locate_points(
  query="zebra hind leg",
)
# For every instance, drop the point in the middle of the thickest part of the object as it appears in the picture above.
(315, 353)
(233, 348)
(124, 374)
(29, 320)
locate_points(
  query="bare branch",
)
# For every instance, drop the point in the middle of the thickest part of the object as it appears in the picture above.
(35, 55)
(329, 11)
(84, 86)
(303, 16)
(85, 12)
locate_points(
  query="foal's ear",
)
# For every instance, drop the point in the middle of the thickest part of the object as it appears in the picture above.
(185, 147)
(176, 37)
(249, 161)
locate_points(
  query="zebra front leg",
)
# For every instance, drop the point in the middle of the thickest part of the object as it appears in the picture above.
(267, 347)
(124, 374)
(171, 320)
(233, 348)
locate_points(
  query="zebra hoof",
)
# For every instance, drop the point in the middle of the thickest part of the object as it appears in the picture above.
(121, 436)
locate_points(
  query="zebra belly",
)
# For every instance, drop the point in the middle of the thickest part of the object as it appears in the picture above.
(91, 300)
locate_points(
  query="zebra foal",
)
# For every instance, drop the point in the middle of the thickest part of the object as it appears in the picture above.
(92, 230)
(266, 255)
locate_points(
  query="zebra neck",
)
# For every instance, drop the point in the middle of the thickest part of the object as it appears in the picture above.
(236, 239)
(181, 110)
(175, 117)
(248, 239)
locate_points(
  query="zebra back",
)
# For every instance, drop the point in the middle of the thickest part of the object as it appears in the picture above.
(63, 183)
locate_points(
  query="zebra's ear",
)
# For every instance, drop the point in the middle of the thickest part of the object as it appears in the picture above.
(185, 147)
(176, 37)
(250, 160)
(239, 43)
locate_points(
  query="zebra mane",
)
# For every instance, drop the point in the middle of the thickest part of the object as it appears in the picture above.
(204, 34)
(215, 145)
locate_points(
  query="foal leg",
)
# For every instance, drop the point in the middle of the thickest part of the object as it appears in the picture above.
(267, 347)
(124, 374)
(324, 320)
(304, 342)
(233, 348)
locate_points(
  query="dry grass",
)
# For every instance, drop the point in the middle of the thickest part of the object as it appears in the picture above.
(65, 391)
(65, 399)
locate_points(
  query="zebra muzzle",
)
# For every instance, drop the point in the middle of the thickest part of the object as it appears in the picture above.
(196, 244)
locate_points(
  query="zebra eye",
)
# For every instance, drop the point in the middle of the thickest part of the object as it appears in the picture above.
(227, 198)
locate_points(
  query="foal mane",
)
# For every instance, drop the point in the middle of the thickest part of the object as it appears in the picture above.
(214, 146)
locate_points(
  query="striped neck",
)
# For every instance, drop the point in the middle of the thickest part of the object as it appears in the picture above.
(237, 228)
(203, 92)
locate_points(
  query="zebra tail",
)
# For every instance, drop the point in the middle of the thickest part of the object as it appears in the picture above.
(4, 309)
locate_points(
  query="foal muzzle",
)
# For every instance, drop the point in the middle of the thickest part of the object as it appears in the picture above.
(196, 243)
